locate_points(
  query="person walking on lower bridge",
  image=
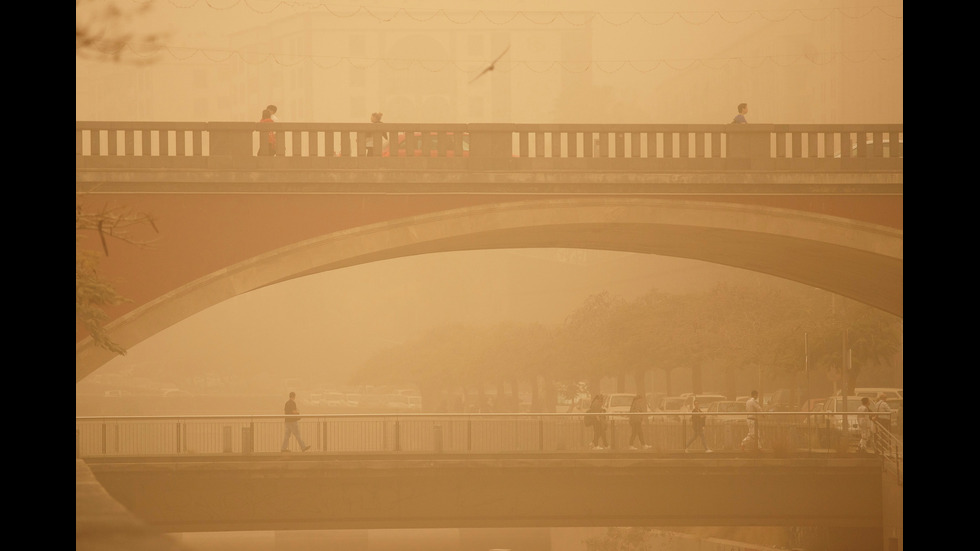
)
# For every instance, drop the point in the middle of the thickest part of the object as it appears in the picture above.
(883, 427)
(596, 418)
(751, 440)
(292, 424)
(866, 424)
(639, 405)
(697, 424)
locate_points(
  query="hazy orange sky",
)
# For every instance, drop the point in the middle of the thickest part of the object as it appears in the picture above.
(577, 61)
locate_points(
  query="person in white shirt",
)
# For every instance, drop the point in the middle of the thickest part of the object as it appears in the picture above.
(752, 406)
(272, 109)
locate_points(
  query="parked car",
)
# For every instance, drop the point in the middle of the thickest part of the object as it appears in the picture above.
(725, 432)
(872, 392)
(398, 402)
(334, 400)
(704, 400)
(415, 403)
(619, 403)
(812, 404)
(670, 404)
(734, 410)
(838, 423)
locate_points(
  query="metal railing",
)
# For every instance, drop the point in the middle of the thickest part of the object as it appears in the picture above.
(892, 449)
(626, 146)
(478, 433)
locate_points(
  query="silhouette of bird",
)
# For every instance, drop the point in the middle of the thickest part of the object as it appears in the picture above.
(492, 64)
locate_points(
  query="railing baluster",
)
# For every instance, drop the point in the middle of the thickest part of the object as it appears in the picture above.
(95, 141)
(780, 145)
(111, 143)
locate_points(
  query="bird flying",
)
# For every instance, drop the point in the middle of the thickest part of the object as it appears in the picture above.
(492, 64)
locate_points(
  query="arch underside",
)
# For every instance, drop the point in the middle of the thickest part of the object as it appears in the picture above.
(860, 261)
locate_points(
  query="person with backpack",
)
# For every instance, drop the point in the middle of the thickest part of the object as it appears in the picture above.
(596, 418)
(697, 424)
(866, 424)
(639, 405)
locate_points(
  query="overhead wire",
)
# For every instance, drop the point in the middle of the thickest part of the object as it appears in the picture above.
(219, 55)
(546, 17)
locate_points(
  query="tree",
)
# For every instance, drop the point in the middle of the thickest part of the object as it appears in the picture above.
(100, 32)
(92, 292)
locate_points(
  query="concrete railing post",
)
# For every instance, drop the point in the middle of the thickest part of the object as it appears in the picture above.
(229, 144)
(748, 146)
(491, 143)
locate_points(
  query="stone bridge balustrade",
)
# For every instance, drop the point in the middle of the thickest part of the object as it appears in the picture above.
(513, 146)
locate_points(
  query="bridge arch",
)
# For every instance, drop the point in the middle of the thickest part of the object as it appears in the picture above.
(858, 260)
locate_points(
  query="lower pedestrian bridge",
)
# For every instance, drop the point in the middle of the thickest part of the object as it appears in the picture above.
(322, 491)
(374, 471)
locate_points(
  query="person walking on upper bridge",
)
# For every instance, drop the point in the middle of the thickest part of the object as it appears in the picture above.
(292, 424)
(743, 109)
(267, 146)
(751, 440)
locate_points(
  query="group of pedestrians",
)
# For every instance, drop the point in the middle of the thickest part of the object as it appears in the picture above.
(596, 417)
(875, 425)
(269, 147)
(875, 429)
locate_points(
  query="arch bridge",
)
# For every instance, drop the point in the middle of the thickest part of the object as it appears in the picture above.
(817, 204)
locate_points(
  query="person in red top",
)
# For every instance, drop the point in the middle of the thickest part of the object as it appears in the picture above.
(268, 146)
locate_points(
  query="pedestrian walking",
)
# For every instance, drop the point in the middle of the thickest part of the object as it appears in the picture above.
(884, 422)
(369, 140)
(751, 440)
(639, 405)
(697, 424)
(292, 424)
(866, 425)
(595, 416)
(267, 147)
(743, 109)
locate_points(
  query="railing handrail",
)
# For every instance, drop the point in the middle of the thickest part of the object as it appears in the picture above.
(482, 414)
(492, 127)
